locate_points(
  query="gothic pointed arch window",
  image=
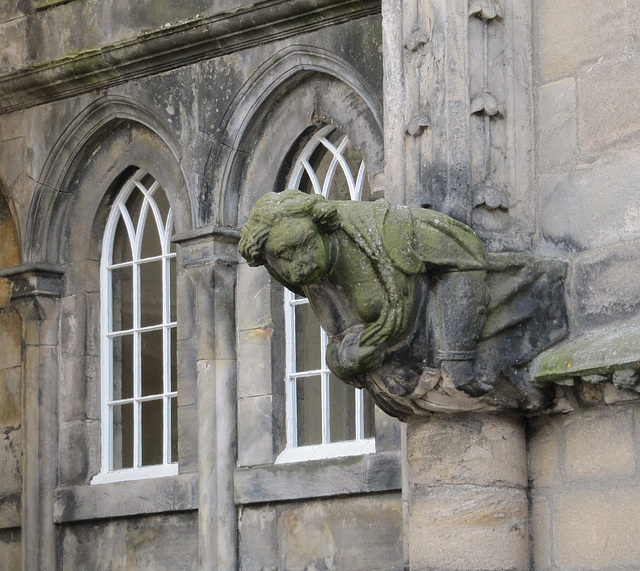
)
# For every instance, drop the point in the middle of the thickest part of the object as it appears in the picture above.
(325, 417)
(138, 335)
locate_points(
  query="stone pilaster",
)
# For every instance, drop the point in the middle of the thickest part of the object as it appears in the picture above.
(208, 257)
(36, 296)
(427, 107)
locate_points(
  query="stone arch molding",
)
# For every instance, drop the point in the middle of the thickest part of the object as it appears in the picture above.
(49, 205)
(272, 80)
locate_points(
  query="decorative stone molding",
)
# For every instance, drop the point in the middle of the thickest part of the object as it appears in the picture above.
(416, 311)
(171, 47)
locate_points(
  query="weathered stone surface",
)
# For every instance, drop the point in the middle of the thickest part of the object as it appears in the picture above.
(577, 33)
(258, 539)
(255, 431)
(472, 449)
(542, 452)
(612, 434)
(136, 543)
(608, 115)
(470, 528)
(10, 548)
(540, 523)
(351, 534)
(597, 529)
(557, 124)
(254, 362)
(575, 213)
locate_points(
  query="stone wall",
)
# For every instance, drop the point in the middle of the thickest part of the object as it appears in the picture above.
(588, 153)
(10, 400)
(585, 503)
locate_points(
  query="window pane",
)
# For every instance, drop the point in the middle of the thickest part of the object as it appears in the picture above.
(172, 290)
(150, 238)
(122, 436)
(152, 362)
(369, 415)
(309, 405)
(160, 198)
(122, 298)
(151, 293)
(174, 429)
(342, 410)
(121, 244)
(308, 339)
(152, 431)
(122, 367)
(174, 358)
(134, 205)
(339, 189)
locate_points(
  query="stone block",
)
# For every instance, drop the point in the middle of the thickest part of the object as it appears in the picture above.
(187, 438)
(474, 449)
(10, 548)
(163, 542)
(72, 441)
(258, 539)
(11, 335)
(73, 327)
(576, 214)
(94, 545)
(10, 397)
(470, 528)
(605, 287)
(13, 35)
(254, 362)
(10, 459)
(608, 108)
(599, 445)
(541, 534)
(350, 534)
(187, 371)
(597, 529)
(255, 431)
(542, 451)
(74, 388)
(253, 295)
(557, 124)
(187, 317)
(575, 33)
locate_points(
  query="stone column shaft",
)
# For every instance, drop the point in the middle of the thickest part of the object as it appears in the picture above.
(209, 258)
(36, 296)
(468, 507)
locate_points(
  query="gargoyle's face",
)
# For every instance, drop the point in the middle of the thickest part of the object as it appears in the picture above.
(296, 251)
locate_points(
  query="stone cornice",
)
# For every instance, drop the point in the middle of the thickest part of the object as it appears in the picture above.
(173, 46)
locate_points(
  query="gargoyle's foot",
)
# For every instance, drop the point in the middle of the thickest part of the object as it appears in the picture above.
(464, 377)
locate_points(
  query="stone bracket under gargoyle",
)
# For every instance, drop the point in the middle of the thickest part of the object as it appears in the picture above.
(417, 312)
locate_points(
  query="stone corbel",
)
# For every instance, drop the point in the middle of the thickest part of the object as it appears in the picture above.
(485, 9)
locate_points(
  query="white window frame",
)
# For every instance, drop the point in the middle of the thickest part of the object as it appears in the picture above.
(327, 449)
(169, 467)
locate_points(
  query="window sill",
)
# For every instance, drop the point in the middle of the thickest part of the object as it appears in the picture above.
(377, 472)
(129, 475)
(327, 451)
(121, 499)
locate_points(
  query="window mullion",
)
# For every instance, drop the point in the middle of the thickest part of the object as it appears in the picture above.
(359, 414)
(326, 409)
(290, 366)
(137, 364)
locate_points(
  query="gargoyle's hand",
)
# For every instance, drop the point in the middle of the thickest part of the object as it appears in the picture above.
(349, 358)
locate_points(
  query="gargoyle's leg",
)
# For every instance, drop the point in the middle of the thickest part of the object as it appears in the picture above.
(462, 300)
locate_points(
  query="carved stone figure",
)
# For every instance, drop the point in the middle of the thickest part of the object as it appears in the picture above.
(404, 297)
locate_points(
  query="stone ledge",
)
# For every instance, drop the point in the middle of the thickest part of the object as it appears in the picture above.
(173, 46)
(121, 499)
(600, 353)
(379, 472)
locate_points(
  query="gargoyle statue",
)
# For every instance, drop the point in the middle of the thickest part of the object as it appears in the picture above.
(403, 294)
